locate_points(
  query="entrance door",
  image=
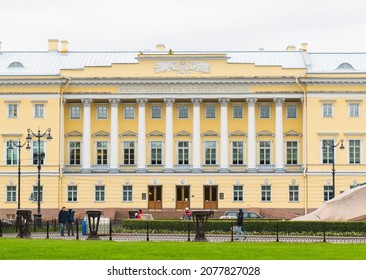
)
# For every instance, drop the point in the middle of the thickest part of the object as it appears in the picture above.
(155, 197)
(182, 197)
(210, 196)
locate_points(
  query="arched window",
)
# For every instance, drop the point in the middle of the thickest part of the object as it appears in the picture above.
(15, 64)
(345, 66)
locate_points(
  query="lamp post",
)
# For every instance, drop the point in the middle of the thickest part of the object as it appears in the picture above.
(40, 156)
(333, 146)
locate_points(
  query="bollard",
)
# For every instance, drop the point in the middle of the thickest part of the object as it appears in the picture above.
(110, 229)
(77, 229)
(189, 231)
(48, 229)
(232, 232)
(277, 240)
(324, 233)
(147, 231)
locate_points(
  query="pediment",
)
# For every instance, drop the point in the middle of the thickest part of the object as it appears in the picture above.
(292, 133)
(128, 133)
(183, 133)
(74, 133)
(155, 133)
(101, 133)
(210, 133)
(238, 133)
(265, 133)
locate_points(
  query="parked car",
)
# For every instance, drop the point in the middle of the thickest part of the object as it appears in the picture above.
(247, 215)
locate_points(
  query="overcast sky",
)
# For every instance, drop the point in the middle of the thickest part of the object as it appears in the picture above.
(326, 25)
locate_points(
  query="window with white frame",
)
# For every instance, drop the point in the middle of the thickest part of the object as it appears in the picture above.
(102, 152)
(210, 111)
(291, 111)
(127, 193)
(354, 109)
(72, 193)
(129, 112)
(156, 112)
(129, 152)
(74, 152)
(266, 193)
(156, 152)
(264, 112)
(35, 193)
(75, 112)
(99, 193)
(39, 110)
(238, 193)
(11, 194)
(328, 192)
(11, 153)
(292, 152)
(183, 111)
(327, 151)
(210, 152)
(12, 110)
(264, 152)
(102, 112)
(327, 110)
(183, 152)
(238, 111)
(293, 193)
(354, 151)
(38, 152)
(238, 152)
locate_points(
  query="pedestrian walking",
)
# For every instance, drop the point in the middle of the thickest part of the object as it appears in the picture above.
(239, 225)
(62, 219)
(70, 222)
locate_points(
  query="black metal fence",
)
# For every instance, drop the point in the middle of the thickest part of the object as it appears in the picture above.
(182, 231)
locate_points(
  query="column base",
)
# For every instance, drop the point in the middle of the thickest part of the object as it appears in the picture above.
(168, 170)
(224, 170)
(196, 170)
(114, 170)
(279, 170)
(252, 170)
(141, 170)
(85, 170)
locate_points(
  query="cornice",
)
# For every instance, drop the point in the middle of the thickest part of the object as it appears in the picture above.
(334, 81)
(27, 82)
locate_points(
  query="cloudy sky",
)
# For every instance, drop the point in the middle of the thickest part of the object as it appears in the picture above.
(326, 25)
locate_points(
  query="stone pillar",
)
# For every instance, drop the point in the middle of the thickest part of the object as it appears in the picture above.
(114, 135)
(169, 147)
(85, 167)
(279, 135)
(224, 135)
(252, 151)
(196, 139)
(141, 138)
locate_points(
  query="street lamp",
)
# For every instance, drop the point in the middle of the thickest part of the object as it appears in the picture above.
(19, 146)
(333, 146)
(40, 156)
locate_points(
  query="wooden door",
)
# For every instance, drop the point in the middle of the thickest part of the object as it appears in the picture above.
(210, 197)
(182, 197)
(155, 197)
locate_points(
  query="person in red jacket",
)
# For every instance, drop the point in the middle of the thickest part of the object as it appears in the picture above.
(139, 214)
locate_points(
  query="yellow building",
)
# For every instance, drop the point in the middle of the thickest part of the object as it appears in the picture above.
(164, 130)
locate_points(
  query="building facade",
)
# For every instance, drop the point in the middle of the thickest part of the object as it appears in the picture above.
(163, 130)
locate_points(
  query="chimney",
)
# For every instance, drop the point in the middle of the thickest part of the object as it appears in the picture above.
(160, 47)
(304, 47)
(64, 45)
(291, 48)
(52, 45)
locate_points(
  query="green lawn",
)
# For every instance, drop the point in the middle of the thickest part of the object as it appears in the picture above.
(43, 249)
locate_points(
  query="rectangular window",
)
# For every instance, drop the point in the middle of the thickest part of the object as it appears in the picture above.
(183, 111)
(265, 193)
(99, 193)
(291, 111)
(102, 152)
(238, 193)
(129, 112)
(39, 110)
(354, 109)
(72, 193)
(237, 112)
(183, 152)
(74, 152)
(238, 152)
(264, 152)
(35, 193)
(327, 110)
(293, 193)
(328, 155)
(156, 152)
(354, 151)
(210, 152)
(127, 194)
(156, 112)
(210, 111)
(12, 110)
(11, 153)
(328, 193)
(129, 152)
(264, 111)
(102, 112)
(75, 112)
(11, 193)
(291, 152)
(36, 154)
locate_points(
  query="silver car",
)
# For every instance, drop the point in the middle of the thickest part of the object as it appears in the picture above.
(247, 215)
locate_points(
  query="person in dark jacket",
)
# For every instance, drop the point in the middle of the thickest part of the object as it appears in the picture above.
(239, 225)
(70, 222)
(62, 219)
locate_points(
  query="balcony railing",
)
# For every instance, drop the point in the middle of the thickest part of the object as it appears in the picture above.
(238, 168)
(266, 167)
(72, 168)
(127, 168)
(210, 168)
(293, 168)
(182, 167)
(100, 168)
(155, 168)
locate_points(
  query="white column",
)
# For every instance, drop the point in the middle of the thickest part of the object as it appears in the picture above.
(141, 138)
(224, 136)
(86, 135)
(169, 147)
(114, 135)
(251, 135)
(196, 150)
(279, 134)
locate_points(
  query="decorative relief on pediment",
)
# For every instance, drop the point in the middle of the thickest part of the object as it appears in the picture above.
(182, 67)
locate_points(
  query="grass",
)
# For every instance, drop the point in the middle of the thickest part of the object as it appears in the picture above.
(40, 249)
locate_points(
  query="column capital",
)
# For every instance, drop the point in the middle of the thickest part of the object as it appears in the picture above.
(279, 101)
(251, 101)
(114, 101)
(141, 101)
(86, 101)
(224, 101)
(169, 101)
(196, 101)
